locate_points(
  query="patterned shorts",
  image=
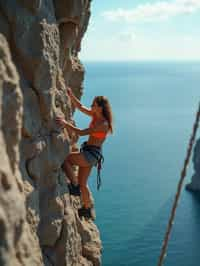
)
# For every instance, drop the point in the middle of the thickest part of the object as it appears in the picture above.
(91, 153)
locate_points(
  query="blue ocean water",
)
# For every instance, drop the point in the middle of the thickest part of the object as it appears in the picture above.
(154, 106)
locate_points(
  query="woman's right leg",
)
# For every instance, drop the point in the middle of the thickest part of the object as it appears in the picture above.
(74, 158)
(69, 171)
(83, 174)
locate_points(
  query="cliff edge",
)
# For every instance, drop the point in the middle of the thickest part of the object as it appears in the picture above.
(39, 45)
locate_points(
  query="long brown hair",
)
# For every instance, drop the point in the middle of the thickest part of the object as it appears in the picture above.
(103, 102)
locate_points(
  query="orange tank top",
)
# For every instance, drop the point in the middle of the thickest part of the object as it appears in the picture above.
(98, 134)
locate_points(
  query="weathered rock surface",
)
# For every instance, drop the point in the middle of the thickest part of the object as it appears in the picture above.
(39, 224)
(195, 182)
(18, 243)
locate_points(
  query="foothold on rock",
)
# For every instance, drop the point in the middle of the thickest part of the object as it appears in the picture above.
(4, 181)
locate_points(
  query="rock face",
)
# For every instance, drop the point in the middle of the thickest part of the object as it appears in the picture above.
(39, 45)
(16, 235)
(195, 182)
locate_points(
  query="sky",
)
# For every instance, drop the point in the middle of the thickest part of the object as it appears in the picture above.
(125, 30)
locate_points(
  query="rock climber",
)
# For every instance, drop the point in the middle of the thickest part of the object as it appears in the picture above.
(90, 153)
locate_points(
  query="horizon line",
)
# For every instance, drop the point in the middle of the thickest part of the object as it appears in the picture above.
(141, 60)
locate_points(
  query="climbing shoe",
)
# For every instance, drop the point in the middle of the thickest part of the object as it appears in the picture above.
(62, 166)
(85, 212)
(74, 189)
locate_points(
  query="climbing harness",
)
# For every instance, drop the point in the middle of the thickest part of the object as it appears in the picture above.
(96, 153)
(183, 174)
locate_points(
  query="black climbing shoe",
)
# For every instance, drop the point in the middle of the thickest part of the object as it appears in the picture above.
(62, 166)
(85, 212)
(74, 189)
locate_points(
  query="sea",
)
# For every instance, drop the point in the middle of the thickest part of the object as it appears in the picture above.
(154, 107)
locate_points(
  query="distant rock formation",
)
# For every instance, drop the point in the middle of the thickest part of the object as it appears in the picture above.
(195, 182)
(39, 45)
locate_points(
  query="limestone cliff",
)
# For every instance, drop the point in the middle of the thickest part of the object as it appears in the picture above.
(39, 45)
(195, 182)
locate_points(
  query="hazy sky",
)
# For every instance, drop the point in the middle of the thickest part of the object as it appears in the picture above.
(143, 30)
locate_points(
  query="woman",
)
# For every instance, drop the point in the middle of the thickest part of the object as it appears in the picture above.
(91, 152)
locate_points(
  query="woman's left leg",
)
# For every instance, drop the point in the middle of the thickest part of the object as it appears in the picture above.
(83, 175)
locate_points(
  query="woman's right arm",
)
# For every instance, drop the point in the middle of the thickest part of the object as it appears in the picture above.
(78, 104)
